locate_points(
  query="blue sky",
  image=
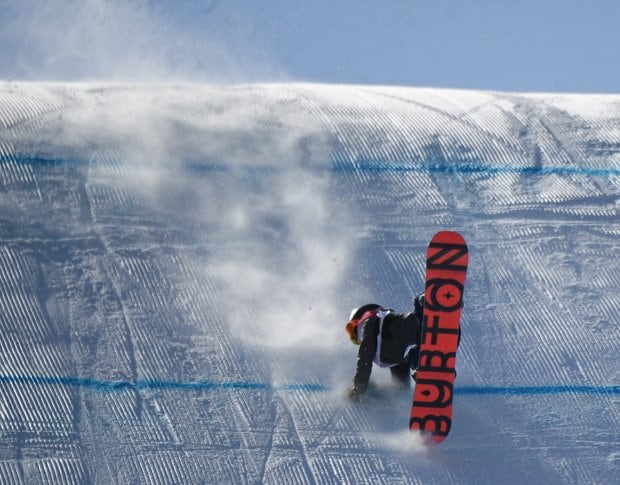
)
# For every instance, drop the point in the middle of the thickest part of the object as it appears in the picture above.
(528, 45)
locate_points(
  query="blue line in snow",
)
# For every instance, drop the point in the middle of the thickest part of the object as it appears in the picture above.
(159, 385)
(471, 167)
(111, 386)
(529, 390)
(463, 167)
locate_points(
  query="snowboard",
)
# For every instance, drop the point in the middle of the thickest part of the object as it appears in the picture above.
(446, 266)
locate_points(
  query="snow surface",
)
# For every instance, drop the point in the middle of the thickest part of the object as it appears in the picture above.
(177, 264)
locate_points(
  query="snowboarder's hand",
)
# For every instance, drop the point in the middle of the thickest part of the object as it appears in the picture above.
(356, 393)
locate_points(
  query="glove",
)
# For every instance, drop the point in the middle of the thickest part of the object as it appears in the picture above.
(356, 393)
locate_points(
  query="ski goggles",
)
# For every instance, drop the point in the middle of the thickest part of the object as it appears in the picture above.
(351, 328)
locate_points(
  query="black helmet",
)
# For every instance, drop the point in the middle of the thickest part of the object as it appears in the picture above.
(351, 326)
(358, 312)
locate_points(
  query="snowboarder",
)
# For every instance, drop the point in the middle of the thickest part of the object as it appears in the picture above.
(386, 338)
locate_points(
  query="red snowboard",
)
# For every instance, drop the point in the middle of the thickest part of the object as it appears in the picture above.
(446, 265)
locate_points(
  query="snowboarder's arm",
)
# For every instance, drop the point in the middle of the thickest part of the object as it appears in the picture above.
(366, 354)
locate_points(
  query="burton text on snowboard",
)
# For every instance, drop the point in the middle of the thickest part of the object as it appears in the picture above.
(446, 266)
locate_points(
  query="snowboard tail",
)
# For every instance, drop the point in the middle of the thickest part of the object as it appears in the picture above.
(446, 267)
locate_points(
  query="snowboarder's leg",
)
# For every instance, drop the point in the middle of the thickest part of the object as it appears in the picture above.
(400, 374)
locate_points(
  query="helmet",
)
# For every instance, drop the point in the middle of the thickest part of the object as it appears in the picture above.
(357, 313)
(354, 320)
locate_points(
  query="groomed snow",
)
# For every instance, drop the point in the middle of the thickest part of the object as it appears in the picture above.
(177, 264)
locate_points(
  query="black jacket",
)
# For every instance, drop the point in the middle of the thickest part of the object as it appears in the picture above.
(385, 343)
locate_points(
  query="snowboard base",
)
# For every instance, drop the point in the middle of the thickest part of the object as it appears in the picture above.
(446, 266)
